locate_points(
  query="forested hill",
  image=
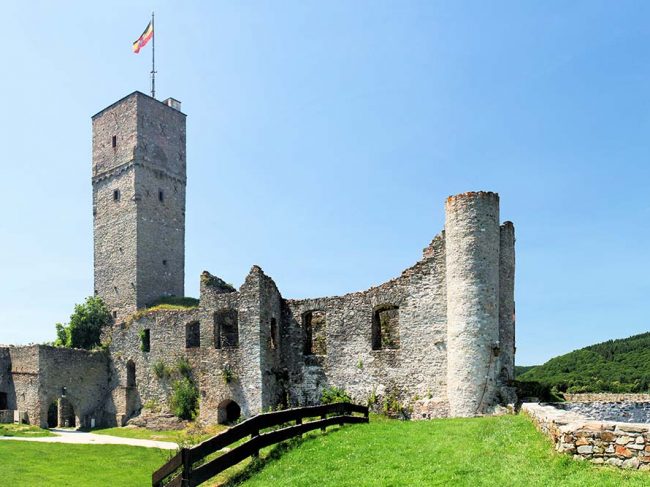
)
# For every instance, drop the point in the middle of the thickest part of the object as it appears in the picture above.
(612, 366)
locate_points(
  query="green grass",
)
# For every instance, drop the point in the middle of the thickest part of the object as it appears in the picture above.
(29, 464)
(191, 435)
(23, 430)
(487, 451)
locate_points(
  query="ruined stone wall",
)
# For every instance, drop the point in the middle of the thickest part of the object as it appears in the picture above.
(507, 303)
(472, 235)
(415, 368)
(211, 366)
(25, 363)
(6, 380)
(85, 376)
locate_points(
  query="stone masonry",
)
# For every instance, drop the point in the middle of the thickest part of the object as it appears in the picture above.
(436, 341)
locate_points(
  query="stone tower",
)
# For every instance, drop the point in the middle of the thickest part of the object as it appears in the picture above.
(138, 179)
(480, 302)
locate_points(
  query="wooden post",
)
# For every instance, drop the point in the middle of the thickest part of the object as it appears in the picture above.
(299, 422)
(187, 468)
(254, 434)
(324, 428)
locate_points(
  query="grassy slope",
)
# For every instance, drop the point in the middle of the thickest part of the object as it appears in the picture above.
(23, 430)
(29, 464)
(616, 365)
(469, 452)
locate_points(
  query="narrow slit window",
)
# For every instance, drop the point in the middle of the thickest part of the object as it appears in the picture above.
(114, 141)
(161, 195)
(116, 195)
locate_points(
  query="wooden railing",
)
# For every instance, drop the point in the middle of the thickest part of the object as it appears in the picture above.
(330, 414)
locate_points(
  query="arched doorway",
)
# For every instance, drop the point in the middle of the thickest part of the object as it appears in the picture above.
(229, 412)
(67, 417)
(53, 415)
(130, 374)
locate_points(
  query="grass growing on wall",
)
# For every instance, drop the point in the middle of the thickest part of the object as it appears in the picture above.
(31, 464)
(460, 452)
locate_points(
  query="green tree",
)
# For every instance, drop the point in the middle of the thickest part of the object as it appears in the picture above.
(85, 327)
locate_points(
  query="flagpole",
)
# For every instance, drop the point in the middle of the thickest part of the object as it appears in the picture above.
(153, 59)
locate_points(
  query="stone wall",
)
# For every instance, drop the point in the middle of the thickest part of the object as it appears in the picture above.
(25, 367)
(606, 397)
(416, 368)
(83, 374)
(138, 203)
(625, 445)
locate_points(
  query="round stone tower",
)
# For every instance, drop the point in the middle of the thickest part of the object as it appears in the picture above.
(472, 235)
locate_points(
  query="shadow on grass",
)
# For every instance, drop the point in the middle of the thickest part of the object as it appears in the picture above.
(274, 454)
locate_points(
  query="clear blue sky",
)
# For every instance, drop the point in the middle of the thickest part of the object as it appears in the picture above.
(323, 138)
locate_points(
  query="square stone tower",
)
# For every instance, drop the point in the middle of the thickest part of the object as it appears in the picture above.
(139, 178)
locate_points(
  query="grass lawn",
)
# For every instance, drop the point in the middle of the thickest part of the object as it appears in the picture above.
(29, 464)
(186, 436)
(23, 430)
(487, 451)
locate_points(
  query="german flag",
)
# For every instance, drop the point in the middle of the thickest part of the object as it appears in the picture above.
(144, 38)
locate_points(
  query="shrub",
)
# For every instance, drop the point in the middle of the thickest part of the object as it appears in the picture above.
(392, 406)
(332, 395)
(184, 368)
(184, 401)
(228, 375)
(161, 370)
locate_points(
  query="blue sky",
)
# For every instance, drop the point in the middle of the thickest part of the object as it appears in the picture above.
(323, 138)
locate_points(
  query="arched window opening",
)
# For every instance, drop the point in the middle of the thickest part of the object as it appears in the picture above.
(314, 333)
(229, 412)
(226, 329)
(193, 335)
(385, 327)
(145, 340)
(130, 374)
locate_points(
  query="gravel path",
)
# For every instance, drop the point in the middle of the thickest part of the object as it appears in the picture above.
(80, 437)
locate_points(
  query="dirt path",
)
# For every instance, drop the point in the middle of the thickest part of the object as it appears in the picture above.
(80, 437)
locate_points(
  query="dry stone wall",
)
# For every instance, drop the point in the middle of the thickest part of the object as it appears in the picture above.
(625, 445)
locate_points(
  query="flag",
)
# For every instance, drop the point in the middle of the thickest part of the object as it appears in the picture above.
(144, 38)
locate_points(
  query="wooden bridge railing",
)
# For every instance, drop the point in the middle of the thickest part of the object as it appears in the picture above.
(330, 414)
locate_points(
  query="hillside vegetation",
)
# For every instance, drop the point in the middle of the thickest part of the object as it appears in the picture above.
(612, 366)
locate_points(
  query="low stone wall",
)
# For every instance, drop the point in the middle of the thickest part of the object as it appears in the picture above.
(625, 445)
(627, 412)
(606, 397)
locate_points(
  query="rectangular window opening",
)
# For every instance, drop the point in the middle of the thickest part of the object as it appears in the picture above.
(116, 195)
(145, 337)
(161, 196)
(114, 141)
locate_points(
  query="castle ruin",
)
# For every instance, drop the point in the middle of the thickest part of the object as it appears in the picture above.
(439, 340)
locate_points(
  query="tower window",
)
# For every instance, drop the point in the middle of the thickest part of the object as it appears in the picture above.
(114, 141)
(274, 334)
(164, 262)
(114, 314)
(161, 196)
(116, 195)
(145, 340)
